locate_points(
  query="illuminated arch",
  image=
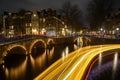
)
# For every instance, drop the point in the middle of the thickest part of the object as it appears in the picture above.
(80, 40)
(50, 40)
(13, 46)
(38, 40)
(76, 39)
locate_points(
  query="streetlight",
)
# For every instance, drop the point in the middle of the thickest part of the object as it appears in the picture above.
(117, 32)
(117, 29)
(101, 29)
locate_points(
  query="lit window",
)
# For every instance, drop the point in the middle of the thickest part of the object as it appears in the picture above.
(34, 15)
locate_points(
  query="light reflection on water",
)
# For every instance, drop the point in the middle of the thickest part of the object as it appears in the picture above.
(16, 71)
(50, 53)
(106, 68)
(100, 61)
(33, 65)
(65, 53)
(115, 64)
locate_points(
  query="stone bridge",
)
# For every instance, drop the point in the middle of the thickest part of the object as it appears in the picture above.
(26, 46)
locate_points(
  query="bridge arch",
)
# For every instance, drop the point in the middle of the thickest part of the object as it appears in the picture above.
(50, 41)
(79, 41)
(21, 49)
(43, 44)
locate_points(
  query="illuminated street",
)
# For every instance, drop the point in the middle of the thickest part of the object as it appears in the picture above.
(74, 65)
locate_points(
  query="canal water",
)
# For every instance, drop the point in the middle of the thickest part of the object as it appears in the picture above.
(105, 66)
(21, 67)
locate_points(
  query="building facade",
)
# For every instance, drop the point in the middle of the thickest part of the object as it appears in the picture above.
(45, 21)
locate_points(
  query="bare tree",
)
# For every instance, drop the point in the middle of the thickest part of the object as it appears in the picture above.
(97, 10)
(72, 16)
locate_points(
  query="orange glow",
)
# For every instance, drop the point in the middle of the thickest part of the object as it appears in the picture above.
(50, 40)
(35, 43)
(16, 71)
(13, 46)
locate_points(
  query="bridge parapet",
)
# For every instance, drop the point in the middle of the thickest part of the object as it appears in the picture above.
(26, 45)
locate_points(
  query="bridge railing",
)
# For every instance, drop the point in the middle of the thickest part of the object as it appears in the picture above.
(29, 37)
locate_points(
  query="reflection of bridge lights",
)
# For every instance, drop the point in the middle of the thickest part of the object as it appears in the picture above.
(7, 72)
(41, 60)
(66, 50)
(3, 66)
(32, 61)
(115, 64)
(65, 53)
(63, 56)
(75, 47)
(47, 51)
(100, 60)
(14, 73)
(51, 53)
(78, 42)
(115, 60)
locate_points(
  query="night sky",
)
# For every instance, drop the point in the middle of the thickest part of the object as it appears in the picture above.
(15, 5)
